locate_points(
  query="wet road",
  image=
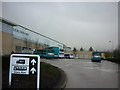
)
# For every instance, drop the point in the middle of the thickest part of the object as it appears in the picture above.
(87, 74)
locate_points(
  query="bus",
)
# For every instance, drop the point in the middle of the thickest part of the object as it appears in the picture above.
(69, 56)
(44, 53)
(50, 52)
(61, 55)
(57, 51)
(96, 56)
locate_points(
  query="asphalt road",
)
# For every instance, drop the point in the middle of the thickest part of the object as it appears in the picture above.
(87, 74)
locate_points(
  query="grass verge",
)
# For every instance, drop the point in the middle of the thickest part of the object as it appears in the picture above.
(115, 60)
(50, 75)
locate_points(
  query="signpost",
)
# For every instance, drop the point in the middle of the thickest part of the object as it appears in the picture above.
(25, 65)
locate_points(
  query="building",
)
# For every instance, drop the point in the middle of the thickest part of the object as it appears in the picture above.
(84, 54)
(18, 38)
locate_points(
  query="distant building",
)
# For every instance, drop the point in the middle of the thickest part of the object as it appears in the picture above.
(84, 54)
(67, 48)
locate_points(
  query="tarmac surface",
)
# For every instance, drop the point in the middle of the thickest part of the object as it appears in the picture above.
(86, 74)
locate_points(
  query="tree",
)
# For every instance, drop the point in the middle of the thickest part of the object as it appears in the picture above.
(81, 49)
(74, 51)
(90, 49)
(116, 52)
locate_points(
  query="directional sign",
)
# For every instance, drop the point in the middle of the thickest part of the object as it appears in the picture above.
(33, 62)
(33, 70)
(25, 66)
(20, 65)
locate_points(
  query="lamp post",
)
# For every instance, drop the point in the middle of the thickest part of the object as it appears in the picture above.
(112, 45)
(112, 48)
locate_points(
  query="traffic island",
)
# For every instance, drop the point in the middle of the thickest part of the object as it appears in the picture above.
(51, 76)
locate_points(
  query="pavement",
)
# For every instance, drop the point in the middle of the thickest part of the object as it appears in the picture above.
(86, 74)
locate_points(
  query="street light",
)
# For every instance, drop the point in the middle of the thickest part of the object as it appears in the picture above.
(112, 45)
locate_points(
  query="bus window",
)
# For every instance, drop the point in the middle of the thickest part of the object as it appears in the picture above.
(50, 51)
(61, 50)
(40, 52)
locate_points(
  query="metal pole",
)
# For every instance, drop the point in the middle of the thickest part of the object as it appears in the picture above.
(112, 45)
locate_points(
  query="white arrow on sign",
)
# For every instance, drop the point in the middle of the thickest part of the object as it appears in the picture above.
(33, 70)
(33, 62)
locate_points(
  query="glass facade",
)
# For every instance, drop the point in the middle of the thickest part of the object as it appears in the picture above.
(7, 28)
(22, 33)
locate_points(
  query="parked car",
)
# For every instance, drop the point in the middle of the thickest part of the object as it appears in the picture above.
(27, 51)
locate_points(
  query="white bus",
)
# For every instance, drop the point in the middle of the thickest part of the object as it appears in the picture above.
(69, 55)
(61, 54)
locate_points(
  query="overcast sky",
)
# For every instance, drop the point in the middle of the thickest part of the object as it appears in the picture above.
(76, 24)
